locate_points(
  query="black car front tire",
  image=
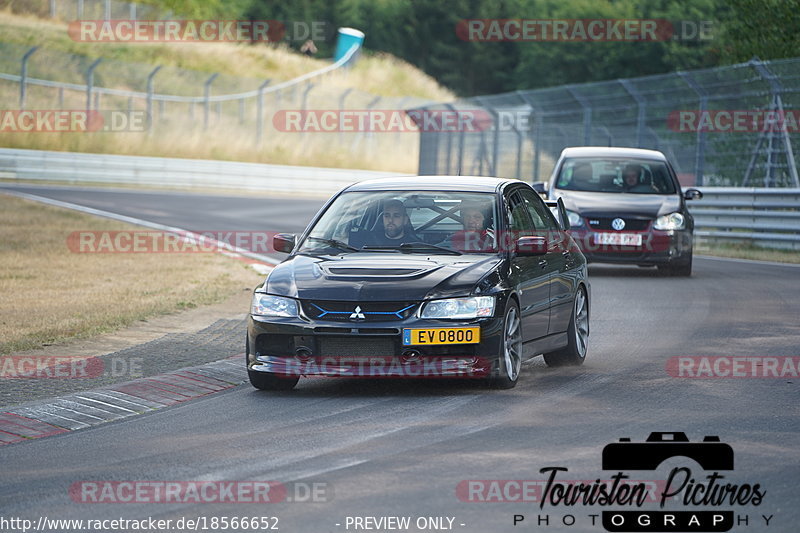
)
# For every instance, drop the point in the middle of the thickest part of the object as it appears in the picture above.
(271, 382)
(574, 353)
(267, 380)
(509, 362)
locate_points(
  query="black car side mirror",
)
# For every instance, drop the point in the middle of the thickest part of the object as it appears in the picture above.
(284, 242)
(692, 194)
(533, 245)
(560, 212)
(540, 187)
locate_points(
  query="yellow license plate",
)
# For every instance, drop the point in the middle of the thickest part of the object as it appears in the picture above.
(412, 337)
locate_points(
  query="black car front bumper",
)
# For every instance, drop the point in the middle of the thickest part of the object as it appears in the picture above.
(303, 347)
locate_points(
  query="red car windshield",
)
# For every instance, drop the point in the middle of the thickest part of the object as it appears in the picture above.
(632, 176)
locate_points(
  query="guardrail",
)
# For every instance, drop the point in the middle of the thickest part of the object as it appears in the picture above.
(72, 167)
(761, 216)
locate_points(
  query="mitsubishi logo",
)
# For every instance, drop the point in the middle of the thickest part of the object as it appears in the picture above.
(357, 314)
(618, 224)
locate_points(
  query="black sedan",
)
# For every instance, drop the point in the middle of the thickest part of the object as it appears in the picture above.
(424, 276)
(625, 205)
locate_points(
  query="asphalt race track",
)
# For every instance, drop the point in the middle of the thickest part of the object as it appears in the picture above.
(380, 448)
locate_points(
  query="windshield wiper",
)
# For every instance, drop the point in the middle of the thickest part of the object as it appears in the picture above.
(408, 247)
(333, 243)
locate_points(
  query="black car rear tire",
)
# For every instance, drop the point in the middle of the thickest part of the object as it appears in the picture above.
(509, 362)
(574, 353)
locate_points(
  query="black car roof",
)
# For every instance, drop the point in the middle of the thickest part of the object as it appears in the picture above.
(432, 183)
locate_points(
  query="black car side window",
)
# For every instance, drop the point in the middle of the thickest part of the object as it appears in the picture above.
(540, 214)
(519, 218)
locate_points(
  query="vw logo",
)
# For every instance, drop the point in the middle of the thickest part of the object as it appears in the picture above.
(357, 314)
(618, 224)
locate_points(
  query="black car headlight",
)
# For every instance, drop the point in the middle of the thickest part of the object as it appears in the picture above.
(269, 305)
(672, 221)
(459, 308)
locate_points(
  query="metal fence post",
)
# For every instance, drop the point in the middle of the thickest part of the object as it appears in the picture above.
(260, 111)
(107, 10)
(80, 9)
(304, 104)
(150, 97)
(631, 90)
(132, 10)
(494, 167)
(450, 138)
(700, 148)
(587, 114)
(24, 77)
(342, 98)
(369, 134)
(90, 83)
(309, 86)
(52, 9)
(537, 127)
(206, 96)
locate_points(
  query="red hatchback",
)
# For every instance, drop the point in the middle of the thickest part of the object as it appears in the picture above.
(625, 205)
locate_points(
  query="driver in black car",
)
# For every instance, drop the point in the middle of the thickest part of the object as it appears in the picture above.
(395, 228)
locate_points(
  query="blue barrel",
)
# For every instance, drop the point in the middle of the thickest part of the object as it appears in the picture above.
(346, 39)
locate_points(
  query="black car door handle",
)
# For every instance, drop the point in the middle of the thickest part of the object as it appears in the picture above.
(543, 263)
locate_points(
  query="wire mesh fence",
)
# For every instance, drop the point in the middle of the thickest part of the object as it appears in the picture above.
(728, 126)
(85, 9)
(197, 108)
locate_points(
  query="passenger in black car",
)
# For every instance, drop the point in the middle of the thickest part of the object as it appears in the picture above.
(476, 235)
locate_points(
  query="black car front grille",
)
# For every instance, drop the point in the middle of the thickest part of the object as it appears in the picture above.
(356, 346)
(357, 312)
(631, 224)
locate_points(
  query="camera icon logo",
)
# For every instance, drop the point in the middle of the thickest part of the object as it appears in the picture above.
(711, 454)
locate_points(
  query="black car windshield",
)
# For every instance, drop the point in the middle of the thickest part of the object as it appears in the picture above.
(633, 176)
(443, 222)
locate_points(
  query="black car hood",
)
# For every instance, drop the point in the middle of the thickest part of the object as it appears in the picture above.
(379, 276)
(600, 203)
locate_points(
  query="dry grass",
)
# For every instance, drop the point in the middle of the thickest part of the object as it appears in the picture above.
(383, 152)
(746, 251)
(228, 137)
(379, 74)
(51, 294)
